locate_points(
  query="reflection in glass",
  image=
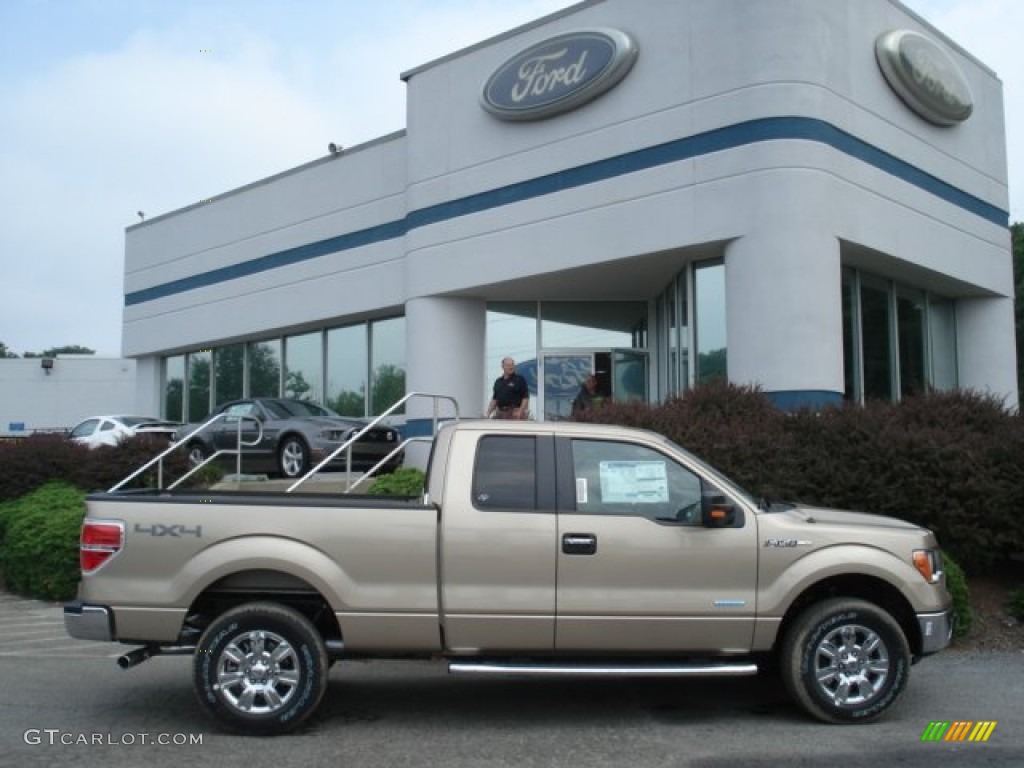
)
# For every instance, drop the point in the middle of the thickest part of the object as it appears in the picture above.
(198, 385)
(674, 353)
(265, 368)
(942, 335)
(709, 306)
(303, 367)
(174, 382)
(387, 362)
(910, 326)
(563, 376)
(875, 334)
(346, 370)
(228, 364)
(849, 298)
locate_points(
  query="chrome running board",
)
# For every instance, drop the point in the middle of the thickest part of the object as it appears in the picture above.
(583, 669)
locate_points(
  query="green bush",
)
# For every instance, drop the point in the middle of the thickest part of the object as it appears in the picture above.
(405, 481)
(30, 463)
(39, 544)
(1016, 604)
(956, 584)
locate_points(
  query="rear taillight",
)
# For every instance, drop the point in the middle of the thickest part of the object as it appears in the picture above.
(100, 541)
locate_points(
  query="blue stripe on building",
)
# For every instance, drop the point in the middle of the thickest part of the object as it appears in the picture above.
(720, 139)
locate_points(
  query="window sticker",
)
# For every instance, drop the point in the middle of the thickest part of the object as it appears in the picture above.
(581, 490)
(634, 482)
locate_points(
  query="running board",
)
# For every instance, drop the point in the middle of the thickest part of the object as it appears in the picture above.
(600, 670)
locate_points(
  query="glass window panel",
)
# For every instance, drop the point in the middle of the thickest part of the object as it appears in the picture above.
(174, 384)
(942, 334)
(347, 362)
(576, 324)
(613, 478)
(709, 305)
(199, 385)
(910, 327)
(850, 346)
(511, 332)
(229, 365)
(505, 473)
(876, 344)
(265, 368)
(387, 360)
(304, 367)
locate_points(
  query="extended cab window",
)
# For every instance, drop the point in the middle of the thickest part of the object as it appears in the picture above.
(615, 478)
(505, 473)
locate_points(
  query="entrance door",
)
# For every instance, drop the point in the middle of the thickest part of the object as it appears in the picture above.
(622, 376)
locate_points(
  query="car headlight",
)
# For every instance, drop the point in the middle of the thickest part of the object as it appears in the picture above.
(334, 435)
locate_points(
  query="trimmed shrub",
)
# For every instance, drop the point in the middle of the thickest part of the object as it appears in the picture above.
(404, 481)
(39, 548)
(1015, 604)
(30, 463)
(956, 584)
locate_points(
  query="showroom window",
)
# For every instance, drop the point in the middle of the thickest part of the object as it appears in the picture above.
(325, 367)
(898, 341)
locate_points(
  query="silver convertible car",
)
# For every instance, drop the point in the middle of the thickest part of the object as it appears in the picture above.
(297, 435)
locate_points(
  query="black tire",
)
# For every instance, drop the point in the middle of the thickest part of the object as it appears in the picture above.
(845, 660)
(260, 669)
(292, 457)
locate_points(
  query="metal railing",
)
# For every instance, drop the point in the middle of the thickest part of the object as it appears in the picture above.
(159, 458)
(347, 445)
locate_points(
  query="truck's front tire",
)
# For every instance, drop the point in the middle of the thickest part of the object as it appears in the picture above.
(260, 669)
(845, 660)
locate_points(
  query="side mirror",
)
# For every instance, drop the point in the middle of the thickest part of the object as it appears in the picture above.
(717, 512)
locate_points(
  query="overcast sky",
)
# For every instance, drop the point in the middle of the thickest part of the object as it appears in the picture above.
(108, 107)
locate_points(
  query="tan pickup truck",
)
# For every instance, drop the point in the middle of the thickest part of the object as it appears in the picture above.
(537, 549)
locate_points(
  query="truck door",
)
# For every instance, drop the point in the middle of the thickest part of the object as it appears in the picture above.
(498, 553)
(637, 570)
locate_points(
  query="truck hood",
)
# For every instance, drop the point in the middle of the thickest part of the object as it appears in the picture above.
(800, 514)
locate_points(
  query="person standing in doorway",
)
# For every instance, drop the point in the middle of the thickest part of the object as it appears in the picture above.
(511, 397)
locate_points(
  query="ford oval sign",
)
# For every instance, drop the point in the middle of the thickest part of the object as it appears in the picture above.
(559, 74)
(924, 76)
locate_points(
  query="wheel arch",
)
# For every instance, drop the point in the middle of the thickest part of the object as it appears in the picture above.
(861, 586)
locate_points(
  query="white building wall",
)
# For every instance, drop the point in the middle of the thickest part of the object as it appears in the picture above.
(76, 388)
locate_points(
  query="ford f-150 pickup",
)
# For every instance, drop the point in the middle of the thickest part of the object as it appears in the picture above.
(537, 548)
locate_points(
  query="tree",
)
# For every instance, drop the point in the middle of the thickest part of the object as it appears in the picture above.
(388, 387)
(1017, 235)
(5, 353)
(67, 349)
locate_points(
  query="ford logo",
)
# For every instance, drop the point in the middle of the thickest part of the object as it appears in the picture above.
(559, 74)
(924, 76)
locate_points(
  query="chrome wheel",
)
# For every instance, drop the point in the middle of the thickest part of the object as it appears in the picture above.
(293, 457)
(258, 672)
(196, 454)
(851, 665)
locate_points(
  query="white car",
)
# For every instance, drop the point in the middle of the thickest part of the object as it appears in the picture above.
(110, 430)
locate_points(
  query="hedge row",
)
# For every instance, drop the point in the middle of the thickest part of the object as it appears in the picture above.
(952, 462)
(30, 463)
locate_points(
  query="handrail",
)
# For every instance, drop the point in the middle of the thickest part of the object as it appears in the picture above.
(223, 451)
(174, 446)
(347, 445)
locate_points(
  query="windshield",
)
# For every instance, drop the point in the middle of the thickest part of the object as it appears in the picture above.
(290, 409)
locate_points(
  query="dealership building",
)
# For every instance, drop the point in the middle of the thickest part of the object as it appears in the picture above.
(807, 196)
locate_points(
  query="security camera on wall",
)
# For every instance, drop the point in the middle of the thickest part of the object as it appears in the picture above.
(333, 148)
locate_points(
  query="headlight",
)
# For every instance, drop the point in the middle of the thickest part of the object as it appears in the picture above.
(929, 564)
(333, 435)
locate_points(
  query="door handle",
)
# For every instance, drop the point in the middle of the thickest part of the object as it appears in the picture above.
(579, 543)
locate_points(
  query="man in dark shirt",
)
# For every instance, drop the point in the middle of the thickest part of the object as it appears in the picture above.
(511, 397)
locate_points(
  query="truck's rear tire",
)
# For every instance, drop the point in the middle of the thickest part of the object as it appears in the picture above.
(260, 669)
(845, 660)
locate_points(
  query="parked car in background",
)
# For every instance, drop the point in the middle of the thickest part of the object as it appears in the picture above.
(296, 436)
(110, 430)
